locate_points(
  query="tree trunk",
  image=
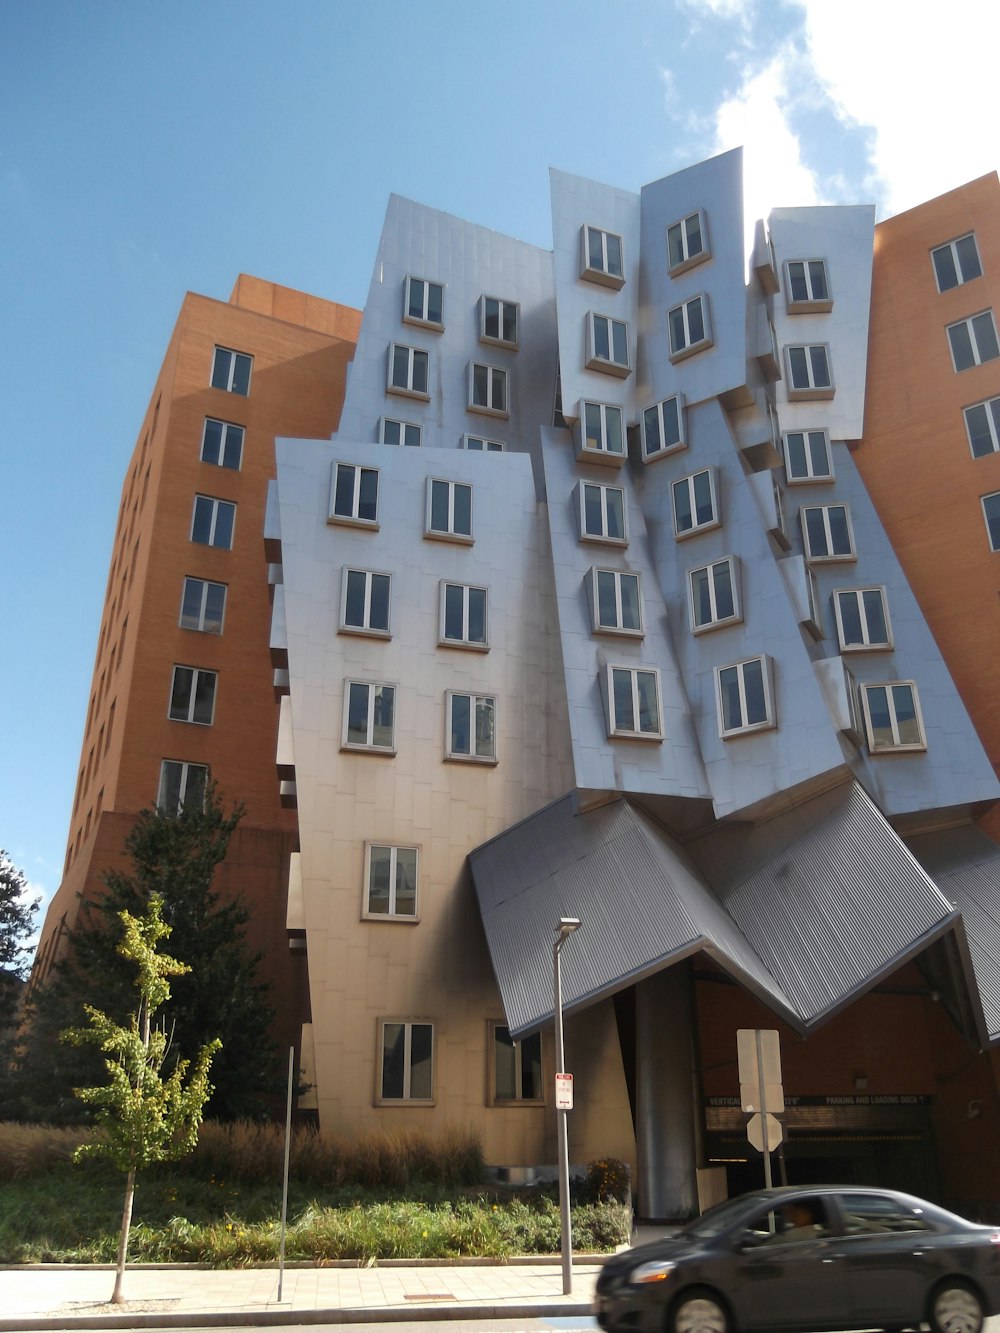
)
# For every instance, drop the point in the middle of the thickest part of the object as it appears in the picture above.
(116, 1295)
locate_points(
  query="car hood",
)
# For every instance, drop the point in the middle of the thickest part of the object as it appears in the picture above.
(670, 1247)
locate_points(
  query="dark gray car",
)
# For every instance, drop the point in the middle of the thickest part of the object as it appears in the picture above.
(812, 1258)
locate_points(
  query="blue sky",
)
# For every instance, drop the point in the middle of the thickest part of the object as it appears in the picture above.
(147, 150)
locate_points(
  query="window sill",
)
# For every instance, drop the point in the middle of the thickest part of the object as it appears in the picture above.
(457, 538)
(609, 367)
(479, 759)
(344, 521)
(604, 457)
(464, 645)
(482, 410)
(348, 746)
(686, 265)
(699, 528)
(402, 392)
(692, 350)
(602, 278)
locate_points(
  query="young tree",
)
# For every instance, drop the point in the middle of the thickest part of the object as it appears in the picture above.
(17, 913)
(143, 1117)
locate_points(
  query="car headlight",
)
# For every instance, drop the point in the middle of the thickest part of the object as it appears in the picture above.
(653, 1272)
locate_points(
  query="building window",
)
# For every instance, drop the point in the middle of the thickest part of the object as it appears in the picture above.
(423, 302)
(203, 606)
(408, 370)
(982, 424)
(862, 619)
(826, 532)
(369, 716)
(689, 327)
(615, 604)
(364, 604)
(973, 341)
(192, 695)
(607, 345)
(390, 882)
(715, 594)
(694, 503)
(602, 513)
(463, 616)
(745, 696)
(355, 494)
(809, 373)
(991, 513)
(807, 456)
(517, 1066)
(892, 716)
(487, 389)
(470, 727)
(663, 428)
(399, 432)
(498, 321)
(687, 243)
(633, 702)
(406, 1061)
(807, 287)
(956, 262)
(222, 444)
(479, 444)
(181, 784)
(231, 371)
(602, 431)
(449, 510)
(213, 522)
(602, 259)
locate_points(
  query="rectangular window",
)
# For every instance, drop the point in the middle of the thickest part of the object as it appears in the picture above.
(231, 371)
(354, 497)
(615, 604)
(602, 513)
(192, 695)
(181, 784)
(487, 389)
(991, 513)
(449, 510)
(663, 428)
(399, 432)
(602, 257)
(982, 424)
(687, 243)
(633, 702)
(807, 287)
(213, 522)
(607, 345)
(203, 605)
(517, 1066)
(369, 716)
(390, 882)
(715, 594)
(602, 431)
(892, 716)
(807, 456)
(689, 328)
(498, 321)
(826, 532)
(745, 697)
(406, 1061)
(408, 371)
(956, 262)
(463, 616)
(809, 373)
(694, 503)
(364, 604)
(479, 444)
(222, 444)
(470, 727)
(862, 619)
(423, 302)
(973, 341)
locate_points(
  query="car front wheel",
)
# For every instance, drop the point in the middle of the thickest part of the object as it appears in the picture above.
(698, 1311)
(955, 1308)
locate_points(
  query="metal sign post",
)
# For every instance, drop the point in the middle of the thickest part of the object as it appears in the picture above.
(759, 1054)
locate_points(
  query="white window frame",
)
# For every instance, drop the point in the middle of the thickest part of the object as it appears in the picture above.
(187, 772)
(689, 347)
(476, 700)
(618, 628)
(813, 302)
(831, 557)
(446, 641)
(812, 387)
(682, 230)
(367, 912)
(217, 507)
(238, 437)
(422, 320)
(488, 407)
(230, 376)
(367, 746)
(767, 678)
(603, 274)
(414, 359)
(601, 452)
(716, 621)
(973, 326)
(448, 534)
(393, 426)
(991, 412)
(602, 536)
(867, 644)
(608, 365)
(205, 585)
(498, 340)
(535, 1038)
(354, 518)
(366, 630)
(655, 422)
(482, 445)
(688, 483)
(897, 746)
(196, 674)
(621, 732)
(952, 248)
(407, 1024)
(810, 439)
(991, 517)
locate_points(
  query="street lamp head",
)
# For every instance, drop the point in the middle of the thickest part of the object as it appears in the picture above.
(567, 924)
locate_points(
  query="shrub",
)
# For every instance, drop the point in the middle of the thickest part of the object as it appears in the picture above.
(607, 1180)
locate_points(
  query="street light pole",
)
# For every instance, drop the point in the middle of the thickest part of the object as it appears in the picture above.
(564, 929)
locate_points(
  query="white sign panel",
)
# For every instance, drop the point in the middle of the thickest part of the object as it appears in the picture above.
(564, 1092)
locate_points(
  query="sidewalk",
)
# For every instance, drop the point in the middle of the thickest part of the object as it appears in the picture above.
(60, 1296)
